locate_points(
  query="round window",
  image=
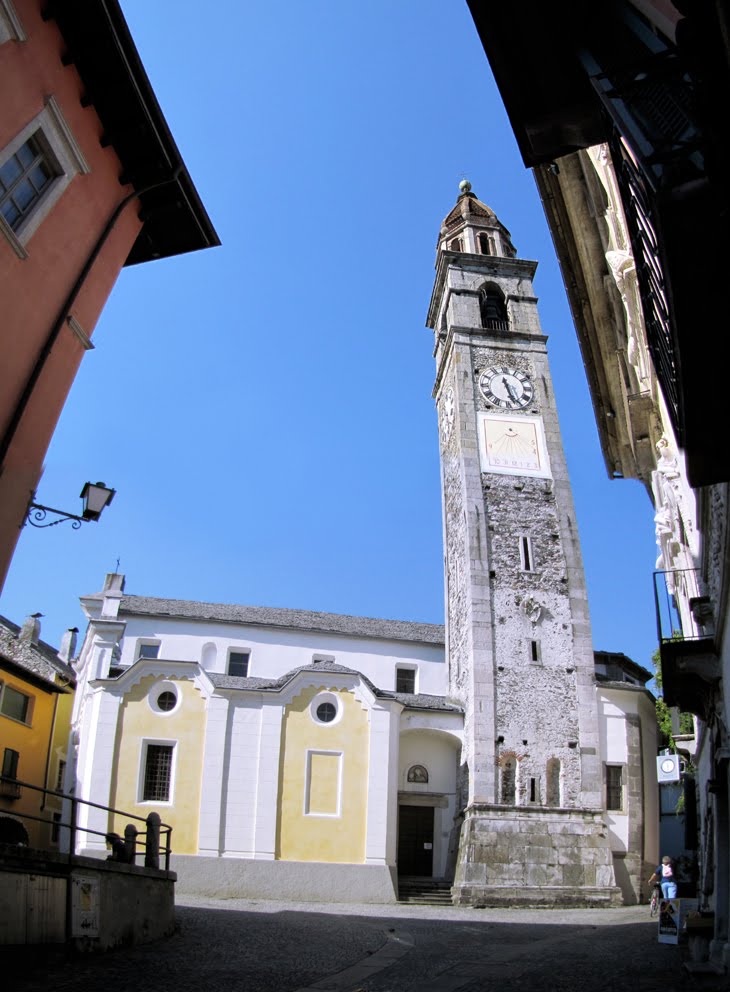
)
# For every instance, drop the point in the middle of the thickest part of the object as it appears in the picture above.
(326, 712)
(164, 697)
(166, 701)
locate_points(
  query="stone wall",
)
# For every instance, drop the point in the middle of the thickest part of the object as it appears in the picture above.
(523, 857)
(112, 904)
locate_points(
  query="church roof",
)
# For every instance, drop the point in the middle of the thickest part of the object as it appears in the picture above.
(266, 616)
(468, 205)
(418, 701)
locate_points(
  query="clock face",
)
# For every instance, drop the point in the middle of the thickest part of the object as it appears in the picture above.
(506, 388)
(668, 765)
(448, 411)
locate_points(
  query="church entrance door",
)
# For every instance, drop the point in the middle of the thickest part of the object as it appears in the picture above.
(415, 840)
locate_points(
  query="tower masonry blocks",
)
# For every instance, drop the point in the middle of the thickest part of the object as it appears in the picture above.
(518, 637)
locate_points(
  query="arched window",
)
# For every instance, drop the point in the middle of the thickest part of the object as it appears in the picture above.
(418, 774)
(553, 782)
(492, 307)
(507, 780)
(485, 245)
(457, 245)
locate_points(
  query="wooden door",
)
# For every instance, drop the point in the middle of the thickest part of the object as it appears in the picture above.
(415, 840)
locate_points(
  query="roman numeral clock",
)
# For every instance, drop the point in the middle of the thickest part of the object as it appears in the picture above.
(518, 639)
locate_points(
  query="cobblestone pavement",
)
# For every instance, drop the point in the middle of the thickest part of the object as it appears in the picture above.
(292, 947)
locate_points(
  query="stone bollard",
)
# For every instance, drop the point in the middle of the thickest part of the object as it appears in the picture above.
(152, 842)
(130, 843)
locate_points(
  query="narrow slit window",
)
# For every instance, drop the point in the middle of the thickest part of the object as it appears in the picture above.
(614, 787)
(534, 651)
(533, 790)
(553, 782)
(508, 781)
(526, 560)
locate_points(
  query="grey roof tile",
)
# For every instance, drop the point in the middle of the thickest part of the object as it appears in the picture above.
(420, 701)
(41, 659)
(265, 616)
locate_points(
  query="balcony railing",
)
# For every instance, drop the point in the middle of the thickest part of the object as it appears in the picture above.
(685, 625)
(155, 839)
(682, 613)
(10, 789)
(495, 324)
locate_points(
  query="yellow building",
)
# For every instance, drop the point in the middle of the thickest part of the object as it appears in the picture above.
(36, 699)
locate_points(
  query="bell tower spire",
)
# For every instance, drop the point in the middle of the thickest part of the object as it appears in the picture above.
(518, 635)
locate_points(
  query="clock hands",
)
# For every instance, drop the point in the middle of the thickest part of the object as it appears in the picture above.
(510, 389)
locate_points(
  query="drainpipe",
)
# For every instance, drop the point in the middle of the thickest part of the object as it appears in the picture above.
(35, 375)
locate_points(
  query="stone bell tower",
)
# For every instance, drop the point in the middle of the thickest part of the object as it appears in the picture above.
(517, 627)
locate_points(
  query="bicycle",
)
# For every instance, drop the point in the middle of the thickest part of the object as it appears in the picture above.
(656, 898)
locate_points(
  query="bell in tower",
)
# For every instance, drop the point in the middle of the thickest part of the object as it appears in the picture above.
(518, 636)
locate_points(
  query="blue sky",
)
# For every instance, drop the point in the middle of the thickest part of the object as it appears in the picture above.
(264, 409)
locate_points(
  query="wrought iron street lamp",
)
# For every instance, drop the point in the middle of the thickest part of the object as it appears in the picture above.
(95, 495)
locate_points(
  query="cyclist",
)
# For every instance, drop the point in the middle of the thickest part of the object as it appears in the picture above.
(665, 877)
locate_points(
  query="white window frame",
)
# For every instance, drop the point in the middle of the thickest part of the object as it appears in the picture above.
(326, 697)
(407, 668)
(239, 650)
(144, 744)
(155, 693)
(68, 159)
(308, 783)
(11, 27)
(143, 642)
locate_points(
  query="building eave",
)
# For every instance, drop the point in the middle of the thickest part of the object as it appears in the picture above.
(104, 54)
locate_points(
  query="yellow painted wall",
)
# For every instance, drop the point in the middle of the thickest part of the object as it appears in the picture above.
(314, 782)
(31, 741)
(59, 748)
(185, 726)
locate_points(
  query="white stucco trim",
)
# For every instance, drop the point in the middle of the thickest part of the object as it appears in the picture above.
(11, 27)
(306, 810)
(267, 780)
(69, 160)
(211, 788)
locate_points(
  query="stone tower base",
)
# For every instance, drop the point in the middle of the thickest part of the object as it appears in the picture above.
(534, 856)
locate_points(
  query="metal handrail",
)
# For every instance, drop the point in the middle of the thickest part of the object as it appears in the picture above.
(72, 826)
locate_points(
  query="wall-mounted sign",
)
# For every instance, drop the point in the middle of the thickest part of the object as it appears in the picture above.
(85, 906)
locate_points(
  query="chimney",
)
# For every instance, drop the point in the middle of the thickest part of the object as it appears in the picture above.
(31, 629)
(68, 645)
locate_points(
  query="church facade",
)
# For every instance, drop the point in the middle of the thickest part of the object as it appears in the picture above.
(300, 754)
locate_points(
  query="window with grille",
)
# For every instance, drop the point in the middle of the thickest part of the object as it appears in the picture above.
(614, 787)
(60, 776)
(23, 178)
(405, 680)
(238, 663)
(157, 773)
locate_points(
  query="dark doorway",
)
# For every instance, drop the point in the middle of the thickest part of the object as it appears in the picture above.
(415, 840)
